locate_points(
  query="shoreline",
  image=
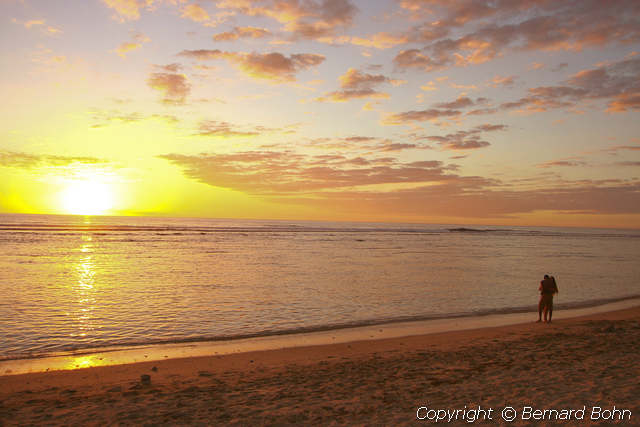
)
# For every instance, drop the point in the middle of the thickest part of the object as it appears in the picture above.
(121, 355)
(588, 360)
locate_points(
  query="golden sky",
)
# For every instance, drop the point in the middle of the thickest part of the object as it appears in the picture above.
(448, 111)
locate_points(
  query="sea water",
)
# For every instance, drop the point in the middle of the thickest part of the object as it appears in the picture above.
(75, 282)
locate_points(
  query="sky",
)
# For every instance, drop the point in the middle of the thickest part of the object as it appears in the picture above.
(430, 111)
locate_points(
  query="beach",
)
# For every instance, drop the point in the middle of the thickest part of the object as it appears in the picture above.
(583, 366)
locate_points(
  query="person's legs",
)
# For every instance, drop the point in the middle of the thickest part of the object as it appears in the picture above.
(547, 303)
(540, 308)
(550, 308)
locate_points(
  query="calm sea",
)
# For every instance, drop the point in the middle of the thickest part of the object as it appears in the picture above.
(73, 282)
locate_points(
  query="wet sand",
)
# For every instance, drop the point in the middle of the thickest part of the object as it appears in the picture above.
(570, 364)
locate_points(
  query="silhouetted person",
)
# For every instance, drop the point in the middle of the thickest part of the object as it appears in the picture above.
(548, 288)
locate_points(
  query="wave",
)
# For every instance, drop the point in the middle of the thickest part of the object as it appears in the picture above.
(178, 230)
(119, 345)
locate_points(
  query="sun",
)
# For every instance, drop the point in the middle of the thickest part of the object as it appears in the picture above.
(87, 198)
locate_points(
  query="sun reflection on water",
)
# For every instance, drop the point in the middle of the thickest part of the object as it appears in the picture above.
(84, 362)
(84, 288)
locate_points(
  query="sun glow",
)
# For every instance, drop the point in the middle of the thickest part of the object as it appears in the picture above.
(87, 198)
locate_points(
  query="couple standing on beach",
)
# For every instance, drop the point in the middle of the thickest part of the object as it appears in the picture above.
(548, 288)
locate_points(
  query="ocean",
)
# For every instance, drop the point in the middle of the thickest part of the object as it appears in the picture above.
(75, 282)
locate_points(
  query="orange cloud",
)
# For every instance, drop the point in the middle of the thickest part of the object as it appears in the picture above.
(355, 84)
(382, 40)
(272, 66)
(38, 23)
(174, 86)
(33, 22)
(450, 109)
(419, 116)
(312, 19)
(616, 82)
(273, 172)
(534, 25)
(220, 129)
(128, 10)
(466, 140)
(28, 161)
(502, 81)
(242, 32)
(136, 43)
(103, 118)
(195, 13)
(561, 163)
(364, 185)
(625, 101)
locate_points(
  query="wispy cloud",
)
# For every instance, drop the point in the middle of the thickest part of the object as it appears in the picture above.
(174, 86)
(222, 129)
(128, 10)
(242, 33)
(355, 84)
(312, 19)
(28, 161)
(271, 66)
(102, 118)
(536, 25)
(440, 110)
(381, 40)
(562, 163)
(269, 172)
(41, 24)
(466, 139)
(616, 82)
(380, 185)
(196, 13)
(136, 42)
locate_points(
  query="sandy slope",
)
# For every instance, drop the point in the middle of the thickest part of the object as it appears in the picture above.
(570, 364)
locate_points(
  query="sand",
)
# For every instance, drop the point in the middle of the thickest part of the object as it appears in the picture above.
(574, 364)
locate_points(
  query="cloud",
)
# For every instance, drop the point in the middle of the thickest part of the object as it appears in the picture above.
(430, 86)
(561, 163)
(137, 39)
(280, 173)
(174, 86)
(450, 109)
(399, 146)
(498, 81)
(196, 13)
(382, 40)
(28, 161)
(616, 82)
(103, 118)
(418, 116)
(461, 102)
(241, 33)
(38, 23)
(466, 140)
(561, 66)
(311, 19)
(472, 199)
(533, 25)
(128, 10)
(33, 22)
(223, 130)
(418, 188)
(355, 84)
(615, 149)
(625, 101)
(271, 66)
